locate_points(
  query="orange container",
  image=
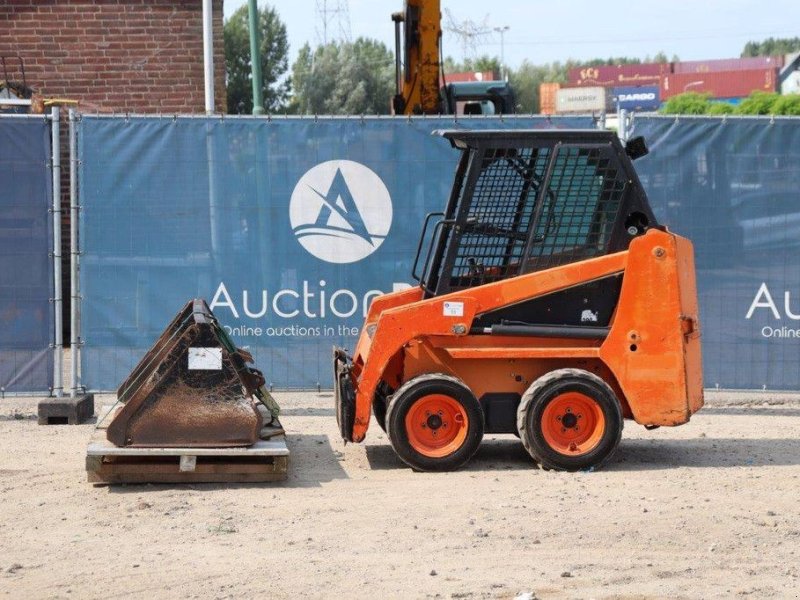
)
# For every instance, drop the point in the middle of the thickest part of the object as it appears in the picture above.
(547, 97)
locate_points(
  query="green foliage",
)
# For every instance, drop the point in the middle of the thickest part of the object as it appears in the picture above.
(481, 64)
(611, 61)
(787, 105)
(757, 103)
(526, 80)
(358, 78)
(274, 61)
(343, 79)
(688, 103)
(660, 57)
(771, 47)
(721, 108)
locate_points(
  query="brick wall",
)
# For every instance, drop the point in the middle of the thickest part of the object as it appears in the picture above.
(142, 56)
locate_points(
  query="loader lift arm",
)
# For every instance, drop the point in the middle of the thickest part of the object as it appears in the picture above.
(418, 82)
(421, 87)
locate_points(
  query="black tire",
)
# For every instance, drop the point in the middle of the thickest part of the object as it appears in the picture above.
(405, 398)
(380, 403)
(554, 385)
(345, 400)
(379, 410)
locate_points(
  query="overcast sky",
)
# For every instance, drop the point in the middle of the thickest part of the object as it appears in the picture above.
(546, 31)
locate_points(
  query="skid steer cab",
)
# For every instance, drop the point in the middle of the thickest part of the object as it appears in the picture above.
(550, 305)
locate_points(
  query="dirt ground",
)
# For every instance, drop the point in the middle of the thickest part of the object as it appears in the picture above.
(707, 510)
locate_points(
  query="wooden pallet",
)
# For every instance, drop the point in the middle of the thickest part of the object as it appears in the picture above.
(266, 460)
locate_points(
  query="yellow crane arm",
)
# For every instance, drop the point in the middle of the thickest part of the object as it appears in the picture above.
(418, 80)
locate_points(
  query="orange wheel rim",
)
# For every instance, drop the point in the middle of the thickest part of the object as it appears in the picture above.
(573, 424)
(436, 425)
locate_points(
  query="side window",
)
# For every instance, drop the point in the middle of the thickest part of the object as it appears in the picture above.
(492, 239)
(579, 209)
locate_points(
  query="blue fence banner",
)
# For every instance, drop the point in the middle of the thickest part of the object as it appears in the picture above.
(26, 270)
(288, 227)
(732, 185)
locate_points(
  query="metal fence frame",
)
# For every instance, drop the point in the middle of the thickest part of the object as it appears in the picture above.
(627, 121)
(627, 129)
(54, 164)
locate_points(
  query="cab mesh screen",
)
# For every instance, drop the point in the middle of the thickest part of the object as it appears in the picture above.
(499, 215)
(512, 224)
(579, 210)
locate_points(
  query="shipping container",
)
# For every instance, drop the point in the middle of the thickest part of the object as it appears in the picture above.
(583, 100)
(547, 97)
(619, 75)
(720, 84)
(637, 98)
(467, 76)
(728, 64)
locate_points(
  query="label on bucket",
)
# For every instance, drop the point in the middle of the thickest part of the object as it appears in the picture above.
(188, 464)
(205, 359)
(453, 309)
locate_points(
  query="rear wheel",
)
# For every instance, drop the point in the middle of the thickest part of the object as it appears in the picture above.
(434, 423)
(570, 420)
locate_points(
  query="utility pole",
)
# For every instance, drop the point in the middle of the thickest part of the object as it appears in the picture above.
(469, 32)
(255, 58)
(333, 21)
(502, 30)
(208, 55)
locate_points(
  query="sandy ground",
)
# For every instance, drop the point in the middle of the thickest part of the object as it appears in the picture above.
(707, 510)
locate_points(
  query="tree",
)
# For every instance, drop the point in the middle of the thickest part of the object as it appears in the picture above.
(661, 57)
(771, 47)
(721, 108)
(274, 61)
(688, 103)
(342, 78)
(611, 61)
(764, 103)
(480, 64)
(757, 103)
(528, 77)
(787, 105)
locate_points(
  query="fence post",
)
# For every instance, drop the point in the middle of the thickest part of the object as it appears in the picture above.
(625, 124)
(58, 342)
(74, 337)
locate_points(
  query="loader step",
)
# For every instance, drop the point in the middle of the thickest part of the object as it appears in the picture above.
(266, 460)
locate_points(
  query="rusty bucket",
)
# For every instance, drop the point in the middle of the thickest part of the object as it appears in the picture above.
(193, 388)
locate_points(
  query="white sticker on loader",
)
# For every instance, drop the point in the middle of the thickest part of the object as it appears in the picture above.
(587, 316)
(205, 359)
(453, 309)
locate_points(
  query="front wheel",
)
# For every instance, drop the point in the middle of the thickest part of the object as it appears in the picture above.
(434, 423)
(569, 420)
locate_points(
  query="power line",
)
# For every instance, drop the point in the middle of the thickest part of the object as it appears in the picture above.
(333, 21)
(562, 41)
(469, 32)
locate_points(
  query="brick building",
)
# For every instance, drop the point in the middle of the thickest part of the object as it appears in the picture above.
(137, 56)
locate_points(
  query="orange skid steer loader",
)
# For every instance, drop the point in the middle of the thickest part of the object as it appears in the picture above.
(551, 305)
